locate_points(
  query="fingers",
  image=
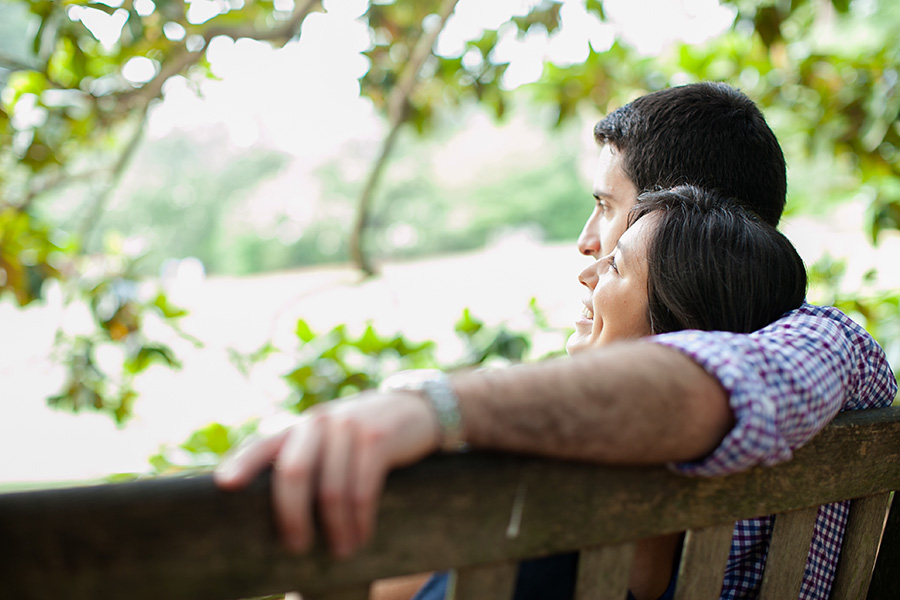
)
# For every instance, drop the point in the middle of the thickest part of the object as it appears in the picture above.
(336, 486)
(296, 471)
(238, 469)
(337, 455)
(370, 471)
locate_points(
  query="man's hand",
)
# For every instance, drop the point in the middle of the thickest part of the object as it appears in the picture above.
(337, 455)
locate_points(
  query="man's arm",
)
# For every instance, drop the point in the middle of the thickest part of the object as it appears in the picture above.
(673, 399)
(785, 383)
(634, 402)
(627, 403)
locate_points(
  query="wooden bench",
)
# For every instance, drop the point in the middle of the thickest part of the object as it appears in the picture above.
(480, 514)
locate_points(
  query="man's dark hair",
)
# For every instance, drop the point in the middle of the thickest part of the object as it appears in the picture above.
(715, 266)
(705, 134)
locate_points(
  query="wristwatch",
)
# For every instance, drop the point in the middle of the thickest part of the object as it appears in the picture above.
(436, 389)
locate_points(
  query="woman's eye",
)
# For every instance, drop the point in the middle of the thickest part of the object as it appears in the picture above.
(612, 263)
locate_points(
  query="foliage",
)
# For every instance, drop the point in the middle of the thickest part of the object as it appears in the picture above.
(541, 192)
(73, 101)
(111, 346)
(28, 255)
(832, 76)
(68, 94)
(198, 214)
(446, 82)
(878, 311)
(337, 363)
(204, 448)
(72, 108)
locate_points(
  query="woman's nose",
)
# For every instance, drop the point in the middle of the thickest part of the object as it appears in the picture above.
(590, 275)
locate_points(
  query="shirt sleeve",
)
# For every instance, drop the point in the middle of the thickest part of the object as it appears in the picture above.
(785, 382)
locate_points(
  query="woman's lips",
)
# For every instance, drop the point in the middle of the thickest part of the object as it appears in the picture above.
(586, 318)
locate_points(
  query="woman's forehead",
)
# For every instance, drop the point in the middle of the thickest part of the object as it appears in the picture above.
(634, 240)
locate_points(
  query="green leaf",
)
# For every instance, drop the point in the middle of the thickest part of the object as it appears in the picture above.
(842, 6)
(369, 342)
(887, 216)
(169, 310)
(299, 376)
(213, 438)
(596, 6)
(160, 464)
(149, 354)
(25, 82)
(303, 332)
(125, 406)
(468, 325)
(403, 347)
(510, 346)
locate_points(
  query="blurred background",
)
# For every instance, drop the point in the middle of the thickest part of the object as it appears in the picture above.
(216, 213)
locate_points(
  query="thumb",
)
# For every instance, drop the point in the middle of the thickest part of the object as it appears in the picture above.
(250, 459)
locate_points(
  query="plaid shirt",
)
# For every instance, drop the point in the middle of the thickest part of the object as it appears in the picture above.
(786, 382)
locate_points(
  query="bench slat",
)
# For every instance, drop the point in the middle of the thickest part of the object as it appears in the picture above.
(603, 572)
(858, 551)
(184, 539)
(356, 593)
(490, 581)
(703, 562)
(885, 584)
(788, 551)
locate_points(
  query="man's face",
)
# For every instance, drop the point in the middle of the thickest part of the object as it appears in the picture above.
(616, 306)
(615, 194)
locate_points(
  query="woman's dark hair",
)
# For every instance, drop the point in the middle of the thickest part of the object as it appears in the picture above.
(705, 134)
(715, 266)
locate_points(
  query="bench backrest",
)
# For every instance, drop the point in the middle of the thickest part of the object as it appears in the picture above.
(182, 538)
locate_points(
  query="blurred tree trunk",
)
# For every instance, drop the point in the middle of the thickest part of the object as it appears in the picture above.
(397, 106)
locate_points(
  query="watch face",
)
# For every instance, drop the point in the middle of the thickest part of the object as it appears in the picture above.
(413, 379)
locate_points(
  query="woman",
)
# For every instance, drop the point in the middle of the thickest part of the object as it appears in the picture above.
(689, 259)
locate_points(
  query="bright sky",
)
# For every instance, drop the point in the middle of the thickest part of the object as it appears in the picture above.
(304, 100)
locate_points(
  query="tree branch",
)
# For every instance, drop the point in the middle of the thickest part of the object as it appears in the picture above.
(184, 59)
(282, 33)
(118, 169)
(407, 81)
(396, 108)
(143, 96)
(58, 180)
(11, 63)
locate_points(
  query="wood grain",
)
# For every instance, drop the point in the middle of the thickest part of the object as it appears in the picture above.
(703, 562)
(603, 572)
(185, 539)
(788, 552)
(859, 549)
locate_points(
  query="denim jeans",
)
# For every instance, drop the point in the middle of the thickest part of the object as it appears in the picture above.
(549, 578)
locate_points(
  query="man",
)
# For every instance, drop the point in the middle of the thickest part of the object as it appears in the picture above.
(711, 402)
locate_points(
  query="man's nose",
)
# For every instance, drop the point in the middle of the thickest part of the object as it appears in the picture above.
(589, 240)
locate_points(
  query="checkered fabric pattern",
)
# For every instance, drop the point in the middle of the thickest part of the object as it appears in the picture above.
(786, 382)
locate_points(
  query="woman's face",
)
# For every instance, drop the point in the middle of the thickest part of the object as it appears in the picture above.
(616, 306)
